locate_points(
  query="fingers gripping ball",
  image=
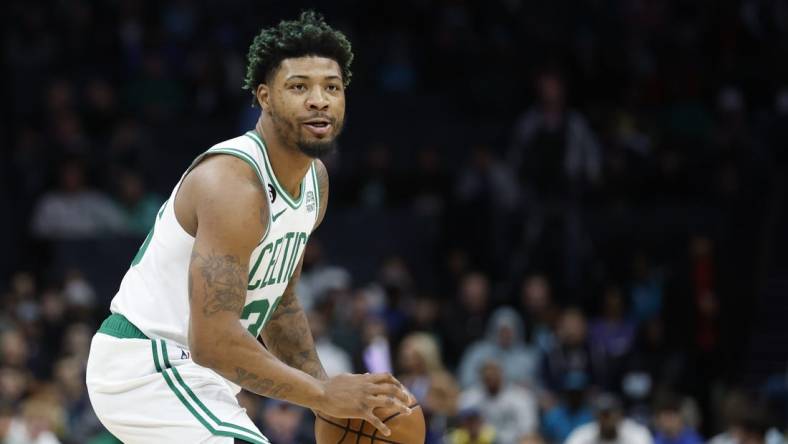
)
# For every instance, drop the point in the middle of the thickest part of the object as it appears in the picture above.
(405, 429)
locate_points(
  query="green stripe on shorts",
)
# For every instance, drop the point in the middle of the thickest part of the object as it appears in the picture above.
(247, 435)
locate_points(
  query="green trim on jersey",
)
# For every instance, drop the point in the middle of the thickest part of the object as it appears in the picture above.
(246, 158)
(144, 247)
(241, 155)
(291, 201)
(118, 326)
(247, 435)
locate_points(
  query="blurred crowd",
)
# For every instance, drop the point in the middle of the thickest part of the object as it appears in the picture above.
(592, 178)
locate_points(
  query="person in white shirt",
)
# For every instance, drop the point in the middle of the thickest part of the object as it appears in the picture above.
(510, 408)
(335, 359)
(610, 427)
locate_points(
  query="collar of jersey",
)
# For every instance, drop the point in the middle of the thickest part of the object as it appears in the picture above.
(291, 201)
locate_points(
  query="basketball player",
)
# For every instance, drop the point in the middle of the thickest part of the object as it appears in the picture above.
(221, 264)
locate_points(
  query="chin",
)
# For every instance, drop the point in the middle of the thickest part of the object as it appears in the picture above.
(317, 148)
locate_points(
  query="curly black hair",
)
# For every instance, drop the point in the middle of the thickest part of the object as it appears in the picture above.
(309, 35)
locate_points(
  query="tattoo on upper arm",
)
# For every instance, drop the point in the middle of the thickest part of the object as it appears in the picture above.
(224, 285)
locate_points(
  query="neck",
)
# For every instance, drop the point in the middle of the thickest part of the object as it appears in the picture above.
(289, 163)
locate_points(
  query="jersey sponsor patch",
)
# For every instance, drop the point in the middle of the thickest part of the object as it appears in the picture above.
(310, 201)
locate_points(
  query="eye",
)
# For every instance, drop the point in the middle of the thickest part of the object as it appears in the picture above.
(332, 87)
(298, 87)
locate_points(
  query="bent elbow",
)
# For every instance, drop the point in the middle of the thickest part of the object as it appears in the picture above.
(202, 353)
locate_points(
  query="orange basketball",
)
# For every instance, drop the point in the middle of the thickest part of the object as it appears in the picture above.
(408, 429)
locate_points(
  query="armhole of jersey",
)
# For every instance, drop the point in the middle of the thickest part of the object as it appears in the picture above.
(231, 152)
(316, 185)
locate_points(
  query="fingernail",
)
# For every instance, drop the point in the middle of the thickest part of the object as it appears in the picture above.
(387, 432)
(409, 411)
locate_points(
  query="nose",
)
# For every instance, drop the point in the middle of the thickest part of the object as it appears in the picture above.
(317, 100)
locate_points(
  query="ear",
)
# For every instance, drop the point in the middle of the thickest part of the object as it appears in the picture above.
(264, 97)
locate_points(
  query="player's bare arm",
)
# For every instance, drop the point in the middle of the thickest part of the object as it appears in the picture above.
(223, 203)
(287, 333)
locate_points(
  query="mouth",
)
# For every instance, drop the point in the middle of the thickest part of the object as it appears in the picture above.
(318, 127)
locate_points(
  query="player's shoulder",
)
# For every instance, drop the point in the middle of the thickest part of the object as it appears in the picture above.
(242, 142)
(226, 194)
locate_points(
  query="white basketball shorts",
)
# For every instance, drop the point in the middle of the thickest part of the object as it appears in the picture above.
(150, 391)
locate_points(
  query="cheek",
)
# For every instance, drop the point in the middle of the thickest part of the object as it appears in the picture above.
(340, 107)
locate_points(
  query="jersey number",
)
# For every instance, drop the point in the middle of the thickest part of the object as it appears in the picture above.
(261, 307)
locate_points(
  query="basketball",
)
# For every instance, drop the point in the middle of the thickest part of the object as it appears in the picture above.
(404, 429)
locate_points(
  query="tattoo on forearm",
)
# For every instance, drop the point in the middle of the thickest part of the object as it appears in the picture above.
(224, 286)
(288, 337)
(261, 386)
(288, 306)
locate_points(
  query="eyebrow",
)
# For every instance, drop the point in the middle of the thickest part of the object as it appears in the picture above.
(298, 76)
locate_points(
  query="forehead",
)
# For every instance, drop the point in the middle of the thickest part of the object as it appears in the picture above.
(310, 66)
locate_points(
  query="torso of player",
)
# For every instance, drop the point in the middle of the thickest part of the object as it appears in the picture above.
(154, 292)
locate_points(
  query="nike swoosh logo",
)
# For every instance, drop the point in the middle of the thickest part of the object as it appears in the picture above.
(276, 216)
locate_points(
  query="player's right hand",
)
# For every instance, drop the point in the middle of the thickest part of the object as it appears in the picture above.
(356, 396)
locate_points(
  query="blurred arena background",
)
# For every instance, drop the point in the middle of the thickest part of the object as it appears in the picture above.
(534, 205)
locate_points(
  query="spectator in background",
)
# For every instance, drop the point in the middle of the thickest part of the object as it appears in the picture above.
(486, 187)
(75, 211)
(747, 422)
(613, 332)
(472, 429)
(155, 93)
(348, 317)
(671, 428)
(753, 428)
(39, 422)
(649, 365)
(571, 411)
(335, 360)
(378, 185)
(610, 427)
(704, 281)
(532, 439)
(464, 323)
(512, 410)
(423, 312)
(423, 373)
(646, 290)
(282, 423)
(503, 343)
(539, 311)
(318, 277)
(14, 349)
(572, 352)
(429, 184)
(69, 378)
(376, 354)
(138, 206)
(553, 149)
(101, 108)
(487, 180)
(396, 282)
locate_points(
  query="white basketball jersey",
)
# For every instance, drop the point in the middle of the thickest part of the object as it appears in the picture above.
(154, 292)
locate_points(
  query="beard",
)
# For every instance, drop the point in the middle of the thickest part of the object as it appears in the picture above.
(315, 149)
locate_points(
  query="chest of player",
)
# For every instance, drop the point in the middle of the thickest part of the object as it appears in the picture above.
(273, 263)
